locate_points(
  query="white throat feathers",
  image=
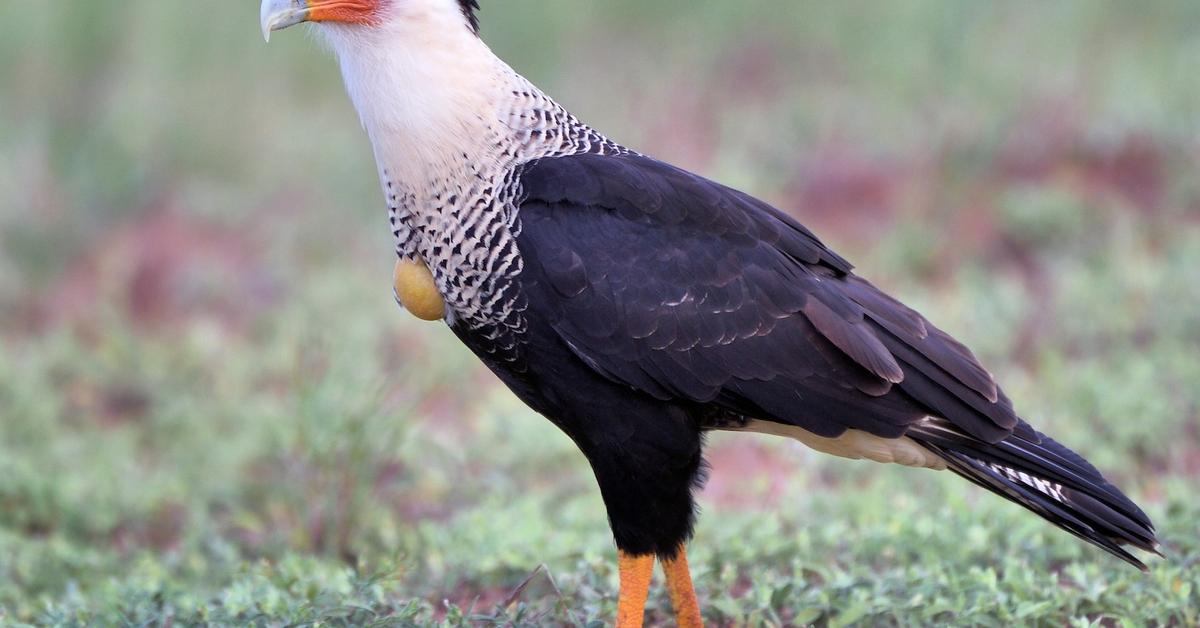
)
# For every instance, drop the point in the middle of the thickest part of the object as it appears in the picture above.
(425, 86)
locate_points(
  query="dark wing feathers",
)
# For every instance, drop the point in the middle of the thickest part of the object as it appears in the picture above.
(683, 288)
(949, 354)
(1049, 479)
(850, 333)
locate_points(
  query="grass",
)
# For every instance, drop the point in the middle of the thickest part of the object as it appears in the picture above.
(211, 412)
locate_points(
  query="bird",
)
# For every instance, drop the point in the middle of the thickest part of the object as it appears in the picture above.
(639, 306)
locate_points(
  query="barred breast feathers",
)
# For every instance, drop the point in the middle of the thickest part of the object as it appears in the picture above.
(451, 124)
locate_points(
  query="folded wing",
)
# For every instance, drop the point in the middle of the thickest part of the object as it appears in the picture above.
(685, 289)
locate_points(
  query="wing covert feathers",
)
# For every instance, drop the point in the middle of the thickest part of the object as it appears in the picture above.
(683, 288)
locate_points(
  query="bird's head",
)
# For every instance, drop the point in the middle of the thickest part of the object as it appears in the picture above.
(420, 77)
(361, 15)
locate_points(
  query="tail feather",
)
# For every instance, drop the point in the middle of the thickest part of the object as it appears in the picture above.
(1048, 479)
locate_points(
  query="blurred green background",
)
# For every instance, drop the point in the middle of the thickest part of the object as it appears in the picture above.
(212, 411)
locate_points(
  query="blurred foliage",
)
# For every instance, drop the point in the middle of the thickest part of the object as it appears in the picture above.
(210, 411)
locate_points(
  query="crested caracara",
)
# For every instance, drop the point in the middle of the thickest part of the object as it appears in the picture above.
(637, 305)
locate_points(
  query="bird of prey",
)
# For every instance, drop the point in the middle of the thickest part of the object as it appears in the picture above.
(638, 306)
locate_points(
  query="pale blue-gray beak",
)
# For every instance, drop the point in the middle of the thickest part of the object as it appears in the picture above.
(280, 14)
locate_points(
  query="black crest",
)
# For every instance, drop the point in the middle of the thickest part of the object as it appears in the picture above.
(469, 7)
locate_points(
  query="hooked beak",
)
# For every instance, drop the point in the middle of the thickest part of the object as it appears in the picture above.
(279, 14)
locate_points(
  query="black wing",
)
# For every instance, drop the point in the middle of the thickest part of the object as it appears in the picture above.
(685, 289)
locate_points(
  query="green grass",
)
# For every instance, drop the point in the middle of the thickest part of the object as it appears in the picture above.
(212, 412)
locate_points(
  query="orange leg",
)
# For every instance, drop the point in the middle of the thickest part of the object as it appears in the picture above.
(683, 596)
(635, 573)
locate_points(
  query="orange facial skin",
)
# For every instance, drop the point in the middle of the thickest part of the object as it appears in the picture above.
(345, 11)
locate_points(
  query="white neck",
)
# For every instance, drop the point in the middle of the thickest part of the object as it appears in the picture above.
(424, 85)
(450, 124)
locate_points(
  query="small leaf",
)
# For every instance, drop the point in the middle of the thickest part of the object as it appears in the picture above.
(807, 616)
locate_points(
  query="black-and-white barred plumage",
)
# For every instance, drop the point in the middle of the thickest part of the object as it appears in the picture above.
(1042, 475)
(464, 223)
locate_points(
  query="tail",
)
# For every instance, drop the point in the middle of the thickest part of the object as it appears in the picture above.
(1049, 479)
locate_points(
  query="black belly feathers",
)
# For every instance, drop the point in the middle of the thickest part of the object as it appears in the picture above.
(683, 288)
